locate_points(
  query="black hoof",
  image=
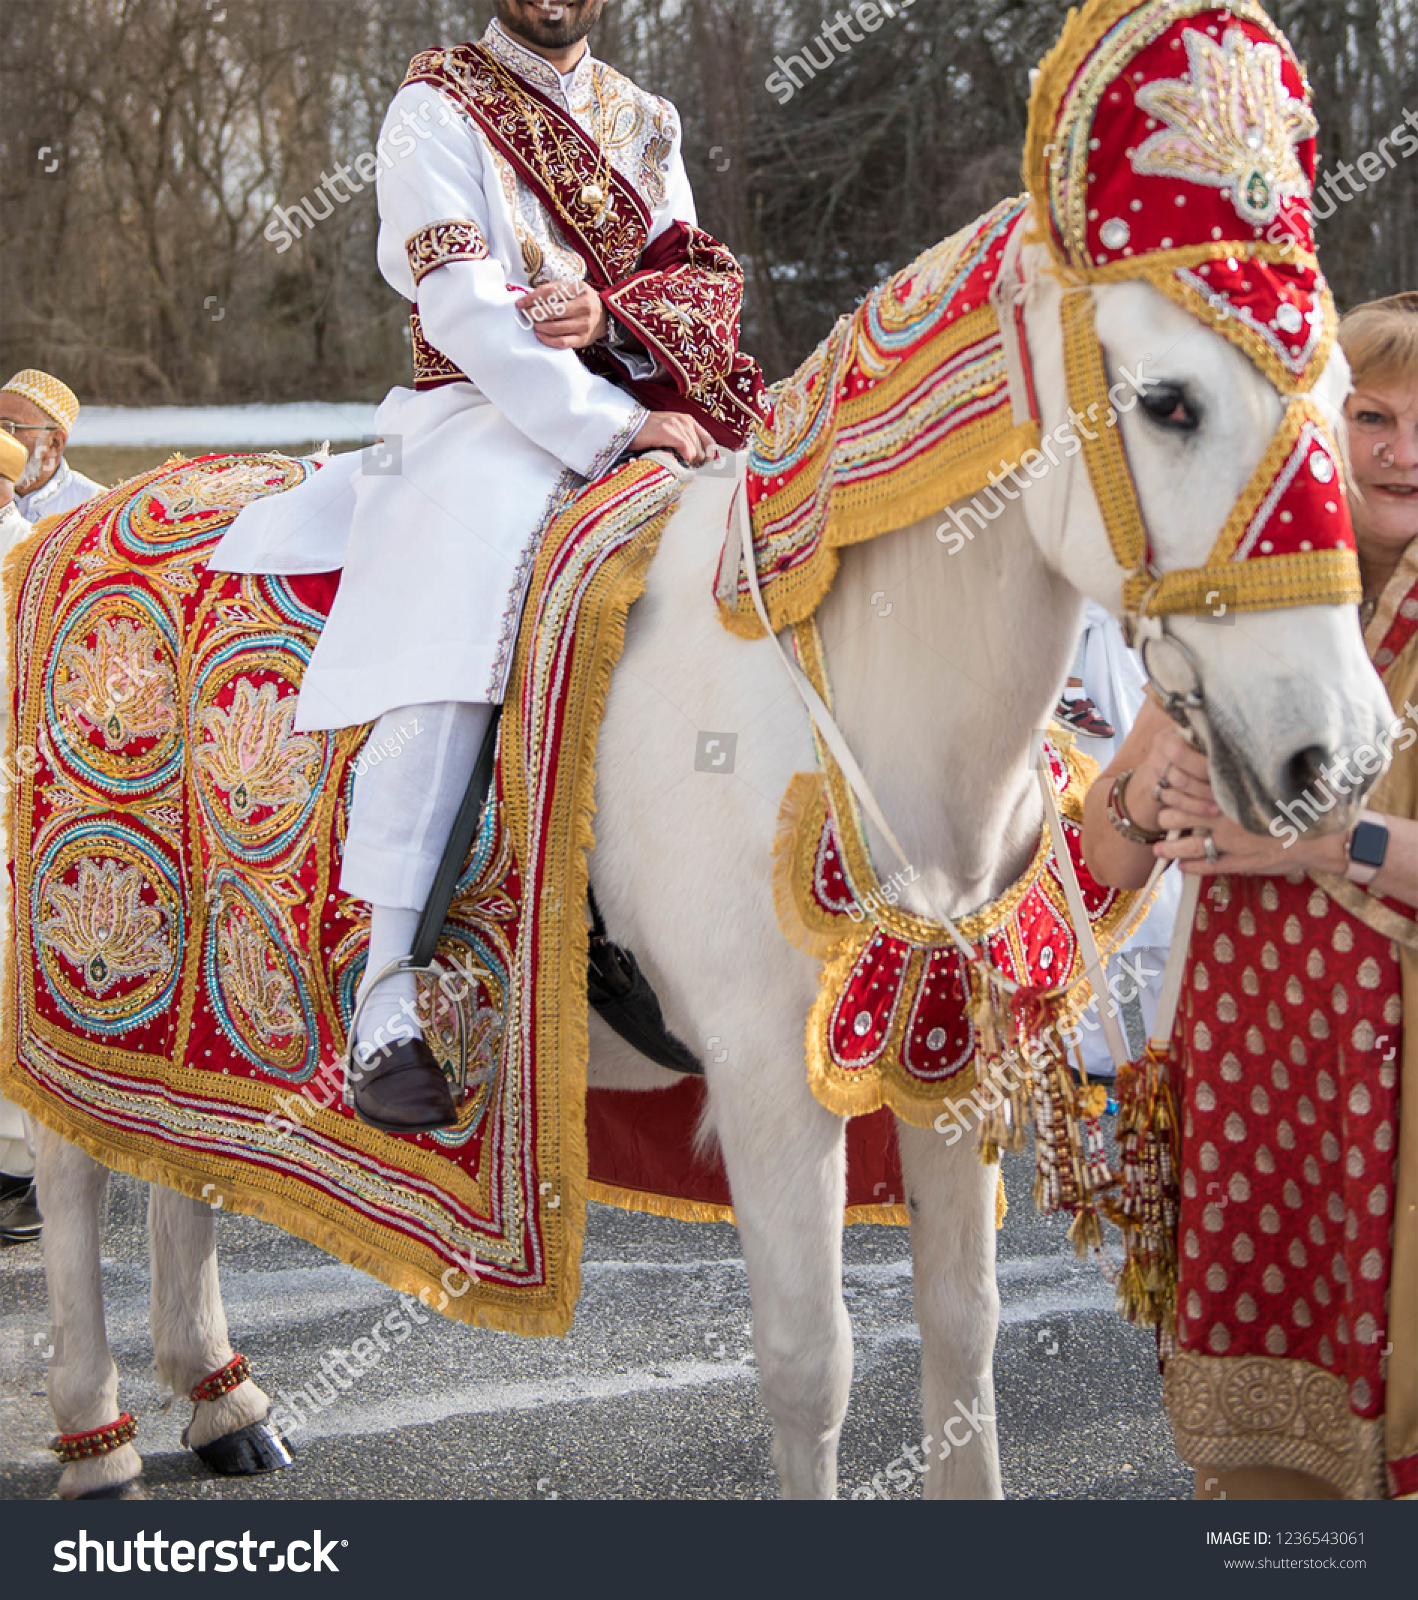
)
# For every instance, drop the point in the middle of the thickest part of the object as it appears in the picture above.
(258, 1447)
(132, 1490)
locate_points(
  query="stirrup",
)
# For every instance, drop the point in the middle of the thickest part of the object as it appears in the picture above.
(389, 970)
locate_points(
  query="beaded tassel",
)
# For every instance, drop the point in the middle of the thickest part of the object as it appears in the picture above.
(999, 1071)
(1147, 1205)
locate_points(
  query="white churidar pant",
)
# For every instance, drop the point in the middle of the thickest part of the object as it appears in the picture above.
(410, 779)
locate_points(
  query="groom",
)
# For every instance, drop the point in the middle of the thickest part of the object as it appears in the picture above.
(565, 310)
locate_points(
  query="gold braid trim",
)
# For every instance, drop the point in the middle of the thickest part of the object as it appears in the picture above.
(1309, 578)
(1087, 382)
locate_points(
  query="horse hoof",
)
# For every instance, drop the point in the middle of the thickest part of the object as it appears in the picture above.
(132, 1490)
(258, 1447)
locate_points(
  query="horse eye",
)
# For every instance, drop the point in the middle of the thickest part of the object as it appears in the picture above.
(1168, 406)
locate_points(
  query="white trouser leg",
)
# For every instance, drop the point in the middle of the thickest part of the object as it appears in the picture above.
(410, 780)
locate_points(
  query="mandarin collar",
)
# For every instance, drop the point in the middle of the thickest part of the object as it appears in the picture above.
(37, 497)
(534, 69)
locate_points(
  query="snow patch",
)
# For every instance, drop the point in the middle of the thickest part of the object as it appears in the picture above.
(223, 427)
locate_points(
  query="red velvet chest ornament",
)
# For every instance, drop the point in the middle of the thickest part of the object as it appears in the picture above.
(896, 1021)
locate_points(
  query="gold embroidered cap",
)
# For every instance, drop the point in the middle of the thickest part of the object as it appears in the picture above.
(55, 399)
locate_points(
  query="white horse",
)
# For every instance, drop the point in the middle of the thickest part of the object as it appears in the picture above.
(938, 699)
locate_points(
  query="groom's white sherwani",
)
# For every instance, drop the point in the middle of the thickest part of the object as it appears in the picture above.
(436, 528)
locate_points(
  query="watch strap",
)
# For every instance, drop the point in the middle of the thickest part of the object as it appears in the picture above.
(1371, 833)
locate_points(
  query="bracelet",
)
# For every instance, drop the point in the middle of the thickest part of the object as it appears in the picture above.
(1121, 818)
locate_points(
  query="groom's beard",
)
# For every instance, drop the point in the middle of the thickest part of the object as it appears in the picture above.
(531, 22)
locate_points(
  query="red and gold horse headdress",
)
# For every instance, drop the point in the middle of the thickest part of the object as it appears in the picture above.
(1173, 141)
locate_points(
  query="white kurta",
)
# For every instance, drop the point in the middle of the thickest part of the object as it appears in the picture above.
(65, 490)
(436, 529)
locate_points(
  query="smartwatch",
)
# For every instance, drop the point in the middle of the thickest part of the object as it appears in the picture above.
(1367, 846)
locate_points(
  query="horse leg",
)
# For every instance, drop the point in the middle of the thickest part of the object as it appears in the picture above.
(951, 1198)
(190, 1341)
(786, 1162)
(83, 1381)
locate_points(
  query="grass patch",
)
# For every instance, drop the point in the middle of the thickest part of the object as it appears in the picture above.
(111, 464)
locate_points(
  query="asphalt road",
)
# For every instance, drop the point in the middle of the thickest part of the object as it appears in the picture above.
(652, 1395)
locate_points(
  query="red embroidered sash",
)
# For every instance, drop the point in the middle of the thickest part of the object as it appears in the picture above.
(681, 296)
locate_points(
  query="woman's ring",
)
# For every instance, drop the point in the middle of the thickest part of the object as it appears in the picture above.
(1161, 783)
(1208, 844)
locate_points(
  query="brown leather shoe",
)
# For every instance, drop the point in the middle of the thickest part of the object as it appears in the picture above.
(401, 1089)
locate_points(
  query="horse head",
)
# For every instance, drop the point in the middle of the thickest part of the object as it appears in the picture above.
(1181, 338)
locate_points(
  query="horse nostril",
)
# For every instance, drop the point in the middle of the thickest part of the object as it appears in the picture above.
(1304, 771)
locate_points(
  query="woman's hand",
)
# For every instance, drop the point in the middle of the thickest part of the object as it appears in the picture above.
(1170, 786)
(1249, 854)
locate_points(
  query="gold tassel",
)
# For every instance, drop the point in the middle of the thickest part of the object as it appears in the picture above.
(1146, 1207)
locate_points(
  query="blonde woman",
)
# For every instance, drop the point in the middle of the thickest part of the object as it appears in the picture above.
(1296, 1369)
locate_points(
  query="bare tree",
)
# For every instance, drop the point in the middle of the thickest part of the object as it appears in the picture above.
(141, 255)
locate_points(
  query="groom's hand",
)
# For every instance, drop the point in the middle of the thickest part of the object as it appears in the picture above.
(673, 430)
(565, 316)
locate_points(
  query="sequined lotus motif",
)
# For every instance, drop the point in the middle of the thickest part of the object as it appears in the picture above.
(1230, 124)
(252, 753)
(263, 990)
(200, 491)
(119, 684)
(100, 923)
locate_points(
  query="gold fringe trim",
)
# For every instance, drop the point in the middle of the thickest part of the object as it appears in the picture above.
(668, 1205)
(570, 1011)
(800, 820)
(795, 596)
(247, 1200)
(650, 1204)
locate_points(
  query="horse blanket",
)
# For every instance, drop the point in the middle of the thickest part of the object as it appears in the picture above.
(186, 965)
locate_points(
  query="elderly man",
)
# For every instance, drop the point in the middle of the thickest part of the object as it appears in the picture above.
(19, 1214)
(40, 412)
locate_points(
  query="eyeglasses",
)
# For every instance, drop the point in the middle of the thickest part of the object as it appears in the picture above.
(16, 428)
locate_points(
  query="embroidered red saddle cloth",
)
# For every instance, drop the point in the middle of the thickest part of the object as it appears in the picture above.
(186, 964)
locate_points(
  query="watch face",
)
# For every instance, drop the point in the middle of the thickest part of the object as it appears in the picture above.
(1368, 844)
